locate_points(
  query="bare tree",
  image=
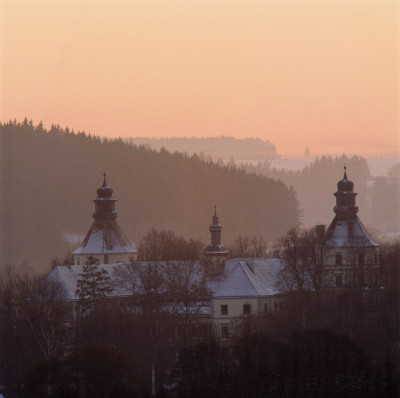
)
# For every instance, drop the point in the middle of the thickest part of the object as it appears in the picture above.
(47, 314)
(166, 245)
(246, 246)
(146, 283)
(187, 291)
(294, 276)
(306, 272)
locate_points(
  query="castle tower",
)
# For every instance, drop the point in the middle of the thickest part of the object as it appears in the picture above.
(105, 240)
(353, 254)
(345, 208)
(215, 253)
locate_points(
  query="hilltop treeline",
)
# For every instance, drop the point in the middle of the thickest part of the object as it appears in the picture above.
(49, 179)
(316, 183)
(215, 147)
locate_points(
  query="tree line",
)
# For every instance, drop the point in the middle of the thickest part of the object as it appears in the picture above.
(378, 197)
(214, 147)
(49, 178)
(155, 342)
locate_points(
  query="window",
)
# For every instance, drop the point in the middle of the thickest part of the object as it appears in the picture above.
(106, 259)
(376, 258)
(361, 259)
(224, 309)
(246, 309)
(265, 308)
(78, 261)
(339, 281)
(338, 259)
(224, 331)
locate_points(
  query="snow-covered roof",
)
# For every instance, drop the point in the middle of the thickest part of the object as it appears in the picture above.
(105, 238)
(349, 232)
(248, 278)
(216, 249)
(68, 276)
(241, 278)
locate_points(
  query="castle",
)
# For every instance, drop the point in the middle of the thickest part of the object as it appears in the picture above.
(239, 287)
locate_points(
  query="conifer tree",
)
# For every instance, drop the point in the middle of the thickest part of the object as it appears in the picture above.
(94, 284)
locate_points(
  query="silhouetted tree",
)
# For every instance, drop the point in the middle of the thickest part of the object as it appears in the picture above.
(246, 246)
(94, 285)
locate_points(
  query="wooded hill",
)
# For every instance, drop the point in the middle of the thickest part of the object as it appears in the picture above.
(49, 179)
(217, 147)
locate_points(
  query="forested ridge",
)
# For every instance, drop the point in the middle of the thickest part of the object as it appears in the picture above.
(49, 179)
(216, 147)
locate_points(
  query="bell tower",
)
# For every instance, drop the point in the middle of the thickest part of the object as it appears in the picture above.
(345, 208)
(352, 256)
(105, 240)
(104, 203)
(215, 253)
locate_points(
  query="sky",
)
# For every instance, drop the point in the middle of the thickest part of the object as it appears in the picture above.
(320, 74)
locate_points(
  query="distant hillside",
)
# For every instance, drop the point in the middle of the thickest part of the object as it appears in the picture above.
(49, 179)
(217, 147)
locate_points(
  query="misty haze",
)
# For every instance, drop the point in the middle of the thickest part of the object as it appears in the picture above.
(199, 199)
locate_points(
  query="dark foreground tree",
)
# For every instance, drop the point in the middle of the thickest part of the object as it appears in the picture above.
(94, 285)
(146, 283)
(90, 372)
(205, 370)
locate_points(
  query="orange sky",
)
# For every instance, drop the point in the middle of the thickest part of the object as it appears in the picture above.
(323, 74)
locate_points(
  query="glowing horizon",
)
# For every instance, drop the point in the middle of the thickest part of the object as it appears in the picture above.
(317, 74)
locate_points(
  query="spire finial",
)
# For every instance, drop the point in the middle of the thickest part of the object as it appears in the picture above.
(104, 181)
(215, 210)
(345, 173)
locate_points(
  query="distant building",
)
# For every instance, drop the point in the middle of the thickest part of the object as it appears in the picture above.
(239, 287)
(352, 255)
(105, 240)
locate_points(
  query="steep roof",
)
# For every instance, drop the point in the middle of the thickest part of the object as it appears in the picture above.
(241, 278)
(346, 233)
(68, 276)
(248, 278)
(97, 241)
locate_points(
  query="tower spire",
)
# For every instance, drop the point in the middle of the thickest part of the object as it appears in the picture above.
(104, 203)
(215, 252)
(215, 219)
(104, 180)
(345, 198)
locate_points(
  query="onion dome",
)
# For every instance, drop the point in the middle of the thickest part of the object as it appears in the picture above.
(345, 184)
(105, 191)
